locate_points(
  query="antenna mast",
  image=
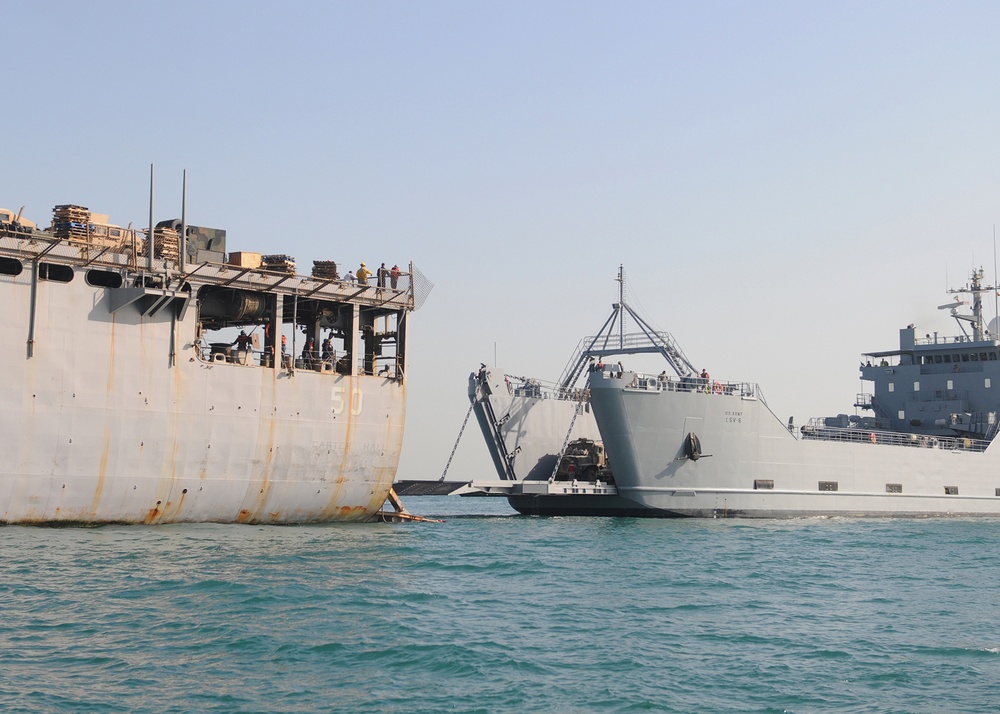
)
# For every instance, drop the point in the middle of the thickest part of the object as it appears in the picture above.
(621, 303)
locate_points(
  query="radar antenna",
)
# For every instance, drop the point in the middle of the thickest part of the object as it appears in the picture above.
(975, 289)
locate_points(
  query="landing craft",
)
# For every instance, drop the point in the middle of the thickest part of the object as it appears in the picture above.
(529, 424)
(921, 443)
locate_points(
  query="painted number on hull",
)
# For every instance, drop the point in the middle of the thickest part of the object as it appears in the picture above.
(734, 417)
(357, 400)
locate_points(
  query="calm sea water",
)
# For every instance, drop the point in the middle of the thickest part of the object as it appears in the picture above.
(495, 612)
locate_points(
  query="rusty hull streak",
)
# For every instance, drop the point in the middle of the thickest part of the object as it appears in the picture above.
(262, 489)
(331, 508)
(387, 474)
(102, 472)
(109, 390)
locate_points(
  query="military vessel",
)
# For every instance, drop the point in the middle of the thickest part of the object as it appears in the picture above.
(128, 395)
(528, 423)
(921, 442)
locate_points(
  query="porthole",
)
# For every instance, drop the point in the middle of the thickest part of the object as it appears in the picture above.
(104, 278)
(10, 266)
(57, 273)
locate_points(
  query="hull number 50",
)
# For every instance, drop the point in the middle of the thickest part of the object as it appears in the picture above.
(339, 403)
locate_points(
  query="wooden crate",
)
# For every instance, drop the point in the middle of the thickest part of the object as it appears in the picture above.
(245, 259)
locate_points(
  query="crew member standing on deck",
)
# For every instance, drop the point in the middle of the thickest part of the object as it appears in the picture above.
(242, 343)
(383, 273)
(307, 354)
(394, 276)
(363, 275)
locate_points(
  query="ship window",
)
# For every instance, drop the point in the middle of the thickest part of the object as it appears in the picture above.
(982, 356)
(827, 485)
(894, 488)
(104, 278)
(51, 271)
(975, 357)
(10, 266)
(951, 490)
(956, 358)
(993, 356)
(765, 484)
(916, 386)
(937, 359)
(947, 359)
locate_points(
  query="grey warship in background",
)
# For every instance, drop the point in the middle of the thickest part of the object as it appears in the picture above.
(528, 424)
(923, 444)
(126, 399)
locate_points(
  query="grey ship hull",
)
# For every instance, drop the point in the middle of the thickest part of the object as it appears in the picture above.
(751, 465)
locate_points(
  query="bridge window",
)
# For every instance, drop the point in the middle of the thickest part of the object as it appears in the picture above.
(975, 357)
(937, 359)
(58, 273)
(982, 356)
(947, 359)
(10, 266)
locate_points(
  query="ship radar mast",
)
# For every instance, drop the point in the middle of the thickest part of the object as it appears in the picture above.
(612, 339)
(975, 289)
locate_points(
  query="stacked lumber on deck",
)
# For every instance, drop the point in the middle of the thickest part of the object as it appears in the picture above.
(278, 263)
(77, 224)
(325, 269)
(166, 244)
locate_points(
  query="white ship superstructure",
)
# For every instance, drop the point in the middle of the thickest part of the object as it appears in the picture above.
(923, 442)
(128, 397)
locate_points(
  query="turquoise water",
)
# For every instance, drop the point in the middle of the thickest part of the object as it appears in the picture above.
(494, 612)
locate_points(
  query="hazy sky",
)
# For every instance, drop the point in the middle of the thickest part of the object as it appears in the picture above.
(786, 183)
